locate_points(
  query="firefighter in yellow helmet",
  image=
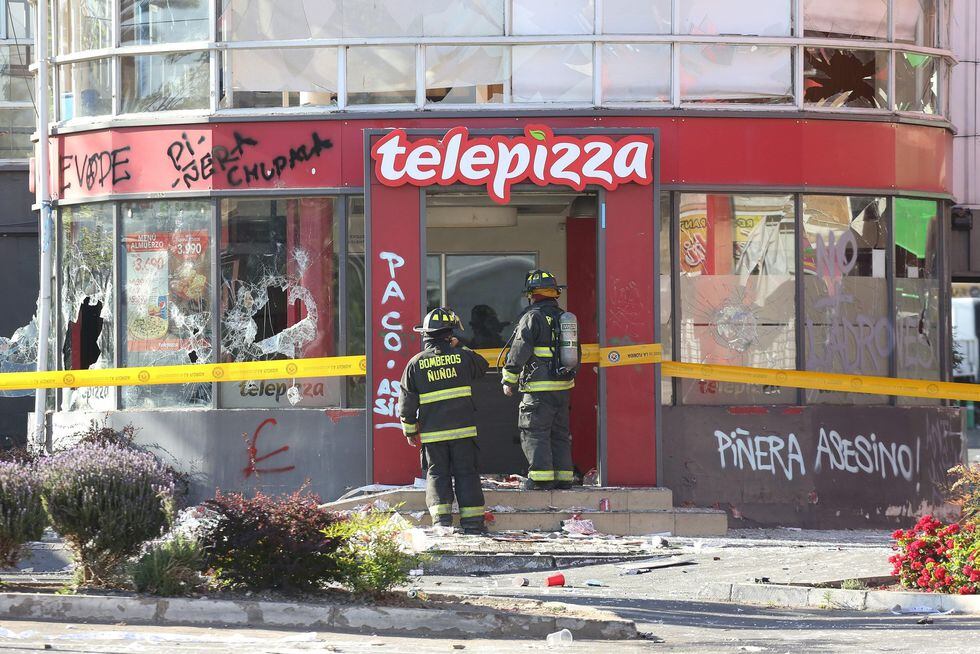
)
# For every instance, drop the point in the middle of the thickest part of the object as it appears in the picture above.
(532, 367)
(437, 412)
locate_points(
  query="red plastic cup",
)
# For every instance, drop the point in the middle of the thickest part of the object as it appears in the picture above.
(555, 580)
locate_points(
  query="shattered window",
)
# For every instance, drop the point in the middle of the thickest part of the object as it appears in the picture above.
(166, 300)
(381, 74)
(285, 77)
(552, 73)
(846, 19)
(737, 286)
(165, 82)
(636, 72)
(751, 17)
(163, 21)
(916, 82)
(466, 74)
(470, 18)
(86, 89)
(916, 21)
(837, 78)
(917, 290)
(744, 74)
(87, 301)
(846, 327)
(533, 17)
(636, 16)
(374, 18)
(279, 296)
(84, 25)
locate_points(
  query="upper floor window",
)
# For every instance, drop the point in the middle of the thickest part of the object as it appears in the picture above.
(846, 19)
(163, 21)
(84, 25)
(16, 20)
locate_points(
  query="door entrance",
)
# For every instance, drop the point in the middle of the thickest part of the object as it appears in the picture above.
(478, 254)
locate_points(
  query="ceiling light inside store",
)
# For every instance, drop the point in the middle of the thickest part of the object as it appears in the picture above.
(471, 216)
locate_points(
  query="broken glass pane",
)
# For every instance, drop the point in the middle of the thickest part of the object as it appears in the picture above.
(18, 353)
(744, 74)
(166, 300)
(916, 21)
(917, 290)
(748, 17)
(285, 77)
(381, 75)
(279, 290)
(470, 18)
(847, 328)
(738, 268)
(247, 20)
(846, 19)
(163, 21)
(552, 73)
(465, 74)
(532, 17)
(636, 72)
(636, 16)
(846, 78)
(87, 301)
(916, 82)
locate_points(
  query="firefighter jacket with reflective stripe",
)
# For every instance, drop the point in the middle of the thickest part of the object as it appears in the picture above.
(529, 362)
(436, 400)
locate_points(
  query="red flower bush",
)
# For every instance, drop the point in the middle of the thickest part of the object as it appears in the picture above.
(937, 557)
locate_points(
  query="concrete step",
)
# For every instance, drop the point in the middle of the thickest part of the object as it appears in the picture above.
(578, 499)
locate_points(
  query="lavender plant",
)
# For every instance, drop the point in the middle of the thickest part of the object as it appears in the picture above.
(22, 516)
(105, 500)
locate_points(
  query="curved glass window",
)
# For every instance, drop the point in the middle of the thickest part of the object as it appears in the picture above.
(86, 89)
(916, 21)
(84, 25)
(542, 17)
(283, 77)
(761, 17)
(846, 19)
(736, 73)
(464, 74)
(837, 78)
(167, 82)
(470, 18)
(247, 20)
(162, 21)
(552, 73)
(381, 75)
(916, 82)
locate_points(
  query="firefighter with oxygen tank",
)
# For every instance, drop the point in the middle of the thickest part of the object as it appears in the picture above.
(541, 364)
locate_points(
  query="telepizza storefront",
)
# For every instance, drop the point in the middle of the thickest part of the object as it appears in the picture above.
(770, 242)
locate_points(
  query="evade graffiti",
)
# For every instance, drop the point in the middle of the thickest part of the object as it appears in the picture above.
(100, 169)
(783, 455)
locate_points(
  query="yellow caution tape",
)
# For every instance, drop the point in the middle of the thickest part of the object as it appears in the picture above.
(625, 355)
(187, 374)
(825, 381)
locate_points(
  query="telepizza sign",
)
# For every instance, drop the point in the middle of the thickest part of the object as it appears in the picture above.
(499, 162)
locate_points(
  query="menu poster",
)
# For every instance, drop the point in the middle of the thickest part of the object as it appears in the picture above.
(147, 289)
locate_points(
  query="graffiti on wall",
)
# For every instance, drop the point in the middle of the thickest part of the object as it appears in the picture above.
(97, 169)
(390, 324)
(254, 458)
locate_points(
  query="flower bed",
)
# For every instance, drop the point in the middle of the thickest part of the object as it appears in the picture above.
(938, 557)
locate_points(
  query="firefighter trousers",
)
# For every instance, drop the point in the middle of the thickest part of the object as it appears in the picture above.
(452, 466)
(545, 437)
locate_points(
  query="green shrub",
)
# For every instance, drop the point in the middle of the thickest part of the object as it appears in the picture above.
(373, 558)
(268, 543)
(169, 568)
(106, 501)
(22, 516)
(965, 490)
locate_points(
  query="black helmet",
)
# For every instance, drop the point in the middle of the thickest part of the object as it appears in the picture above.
(439, 320)
(540, 279)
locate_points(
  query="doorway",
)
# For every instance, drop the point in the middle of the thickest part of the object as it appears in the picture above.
(477, 256)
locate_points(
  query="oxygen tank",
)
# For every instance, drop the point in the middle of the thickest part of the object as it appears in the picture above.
(568, 341)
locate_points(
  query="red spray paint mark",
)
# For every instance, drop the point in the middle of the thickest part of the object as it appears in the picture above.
(253, 451)
(792, 411)
(336, 415)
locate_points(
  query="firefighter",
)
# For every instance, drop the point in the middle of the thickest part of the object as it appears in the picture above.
(543, 418)
(437, 413)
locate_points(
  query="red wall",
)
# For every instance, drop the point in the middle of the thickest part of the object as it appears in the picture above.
(580, 237)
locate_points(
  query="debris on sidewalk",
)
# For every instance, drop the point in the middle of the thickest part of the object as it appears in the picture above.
(594, 583)
(641, 567)
(561, 638)
(555, 580)
(520, 582)
(575, 525)
(919, 610)
(502, 509)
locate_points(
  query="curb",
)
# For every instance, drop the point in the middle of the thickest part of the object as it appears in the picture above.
(450, 565)
(424, 622)
(835, 598)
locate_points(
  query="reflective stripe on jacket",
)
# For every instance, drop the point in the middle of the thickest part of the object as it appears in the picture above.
(530, 357)
(436, 398)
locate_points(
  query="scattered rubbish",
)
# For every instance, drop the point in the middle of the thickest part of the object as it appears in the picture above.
(647, 565)
(555, 580)
(417, 572)
(919, 610)
(502, 509)
(417, 515)
(656, 543)
(294, 395)
(751, 648)
(762, 580)
(576, 525)
(439, 530)
(591, 478)
(561, 638)
(594, 582)
(489, 518)
(48, 646)
(459, 646)
(792, 528)
(381, 505)
(417, 594)
(926, 620)
(522, 581)
(716, 558)
(604, 504)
